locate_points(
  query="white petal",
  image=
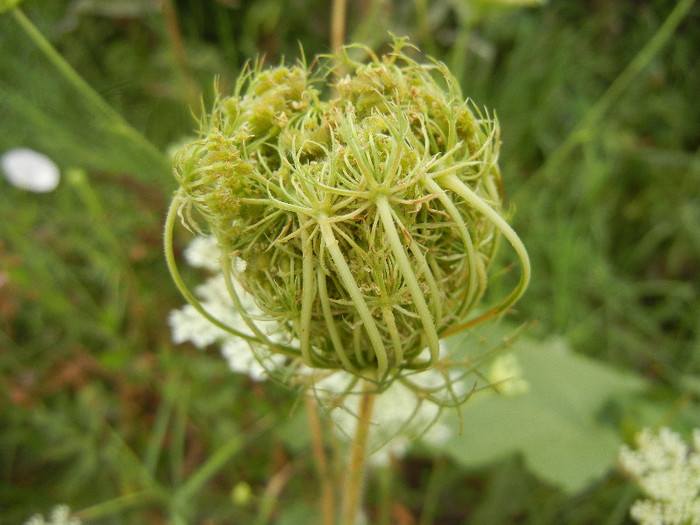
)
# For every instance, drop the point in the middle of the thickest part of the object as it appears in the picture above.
(30, 170)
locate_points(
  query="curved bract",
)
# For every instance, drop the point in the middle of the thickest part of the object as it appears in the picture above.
(366, 220)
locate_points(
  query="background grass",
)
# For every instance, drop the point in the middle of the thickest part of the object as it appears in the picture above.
(100, 411)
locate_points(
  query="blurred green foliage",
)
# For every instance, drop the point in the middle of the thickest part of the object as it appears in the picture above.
(100, 411)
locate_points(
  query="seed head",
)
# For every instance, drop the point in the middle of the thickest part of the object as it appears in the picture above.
(366, 219)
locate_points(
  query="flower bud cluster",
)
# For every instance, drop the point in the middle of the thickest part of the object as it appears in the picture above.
(366, 219)
(667, 469)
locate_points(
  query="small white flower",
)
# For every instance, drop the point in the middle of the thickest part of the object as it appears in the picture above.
(203, 252)
(668, 472)
(187, 324)
(30, 170)
(60, 515)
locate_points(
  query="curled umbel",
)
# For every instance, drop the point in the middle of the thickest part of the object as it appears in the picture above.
(361, 212)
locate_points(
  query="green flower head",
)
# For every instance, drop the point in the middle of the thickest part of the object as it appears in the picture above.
(366, 209)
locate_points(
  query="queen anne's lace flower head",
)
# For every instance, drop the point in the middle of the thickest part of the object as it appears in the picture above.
(365, 221)
(667, 470)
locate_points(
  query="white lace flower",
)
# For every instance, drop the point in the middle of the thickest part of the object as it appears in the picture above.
(668, 471)
(188, 325)
(60, 515)
(30, 170)
(203, 252)
(241, 360)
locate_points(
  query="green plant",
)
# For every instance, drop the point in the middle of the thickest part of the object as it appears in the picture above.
(101, 411)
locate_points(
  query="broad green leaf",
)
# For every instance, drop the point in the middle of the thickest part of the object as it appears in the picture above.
(555, 425)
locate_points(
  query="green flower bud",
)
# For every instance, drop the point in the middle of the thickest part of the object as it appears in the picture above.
(366, 220)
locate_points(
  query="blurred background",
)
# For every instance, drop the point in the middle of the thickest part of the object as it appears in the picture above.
(600, 116)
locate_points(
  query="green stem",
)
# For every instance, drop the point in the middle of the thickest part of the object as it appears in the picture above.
(476, 287)
(307, 298)
(178, 435)
(226, 271)
(73, 78)
(432, 492)
(385, 495)
(220, 457)
(158, 434)
(453, 183)
(329, 319)
(113, 506)
(214, 464)
(354, 484)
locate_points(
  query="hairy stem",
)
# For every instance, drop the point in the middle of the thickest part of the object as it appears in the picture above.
(330, 321)
(307, 297)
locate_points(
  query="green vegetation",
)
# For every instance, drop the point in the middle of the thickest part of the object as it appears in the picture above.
(600, 161)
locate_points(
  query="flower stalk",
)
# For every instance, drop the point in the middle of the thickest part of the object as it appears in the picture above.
(354, 483)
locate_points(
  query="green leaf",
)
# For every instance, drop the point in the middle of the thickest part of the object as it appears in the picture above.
(555, 425)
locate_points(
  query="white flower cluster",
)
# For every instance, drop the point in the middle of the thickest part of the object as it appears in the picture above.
(667, 470)
(399, 415)
(60, 515)
(187, 324)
